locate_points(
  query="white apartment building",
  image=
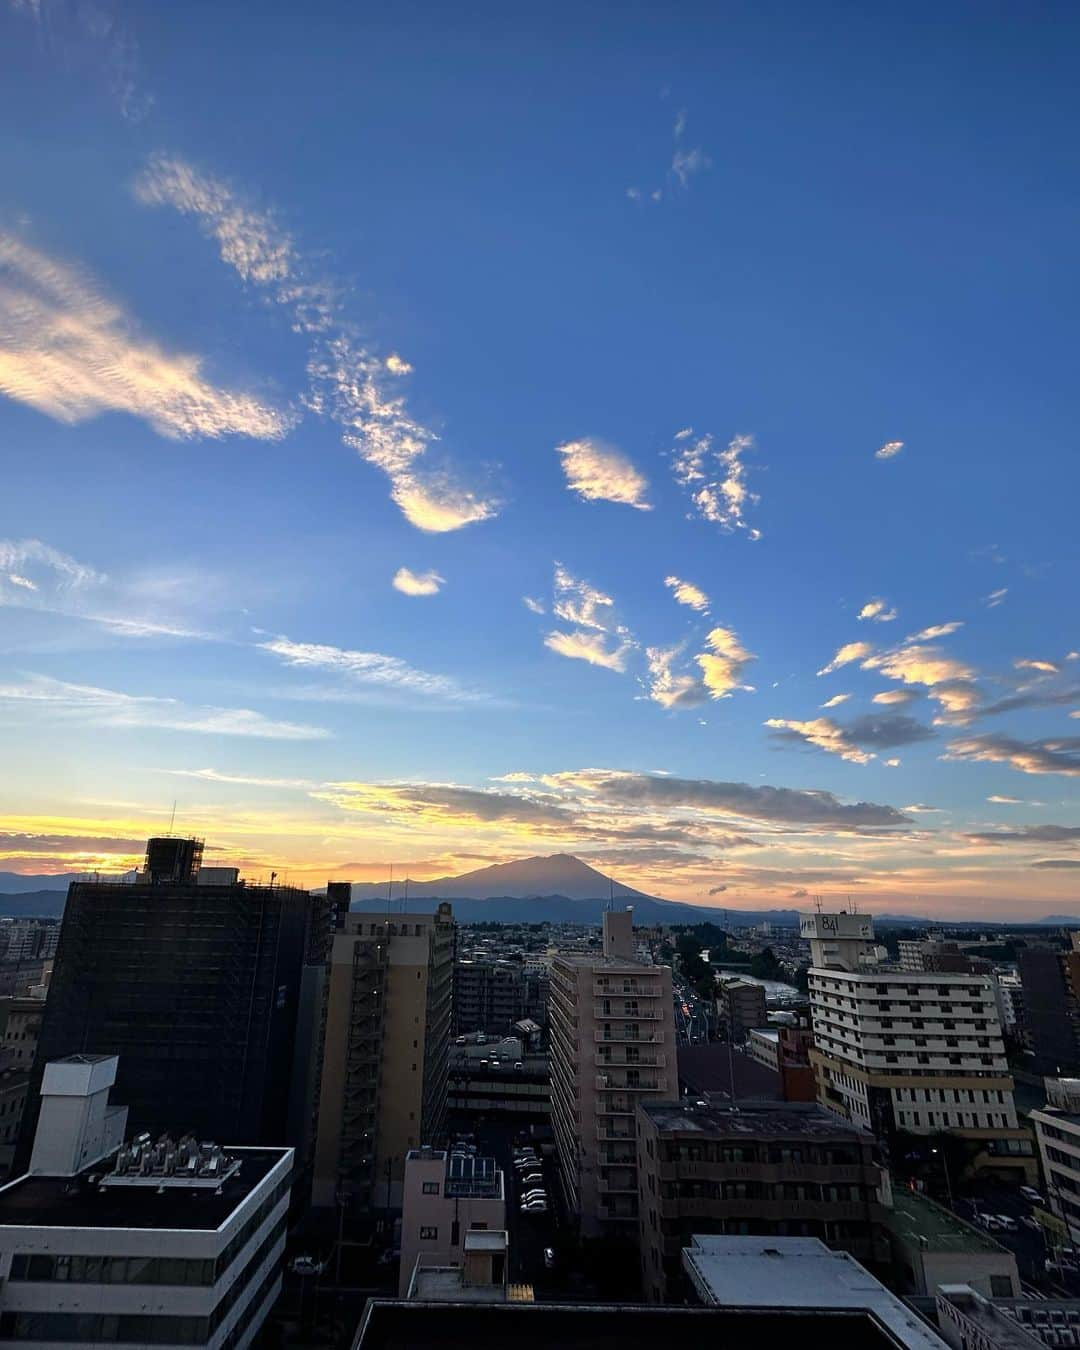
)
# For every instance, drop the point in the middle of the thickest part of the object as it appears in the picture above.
(612, 1044)
(164, 1244)
(1057, 1130)
(909, 1050)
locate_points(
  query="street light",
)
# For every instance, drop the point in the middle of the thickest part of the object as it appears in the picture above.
(948, 1181)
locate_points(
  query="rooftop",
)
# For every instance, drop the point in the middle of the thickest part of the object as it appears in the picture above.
(81, 1202)
(707, 1068)
(432, 1325)
(914, 1218)
(802, 1273)
(772, 1119)
(1000, 1329)
(438, 1284)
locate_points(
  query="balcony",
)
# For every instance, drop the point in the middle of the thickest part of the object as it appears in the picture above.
(616, 1108)
(609, 1082)
(633, 991)
(617, 1008)
(645, 1038)
(649, 1060)
(606, 1134)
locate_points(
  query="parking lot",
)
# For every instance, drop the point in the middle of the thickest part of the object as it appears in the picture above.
(1027, 1242)
(530, 1234)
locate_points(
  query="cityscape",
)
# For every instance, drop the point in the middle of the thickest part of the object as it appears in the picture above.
(539, 675)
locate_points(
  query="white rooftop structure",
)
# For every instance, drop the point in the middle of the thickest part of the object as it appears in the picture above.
(795, 1272)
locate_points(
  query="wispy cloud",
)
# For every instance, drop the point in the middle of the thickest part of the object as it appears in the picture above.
(673, 688)
(895, 698)
(348, 383)
(1053, 755)
(92, 40)
(1041, 667)
(112, 708)
(845, 655)
(243, 780)
(534, 605)
(937, 630)
(417, 583)
(715, 479)
(877, 610)
(836, 700)
(996, 597)
(598, 649)
(686, 162)
(889, 450)
(723, 662)
(999, 800)
(73, 354)
(858, 741)
(372, 668)
(948, 680)
(597, 472)
(576, 601)
(686, 593)
(1028, 834)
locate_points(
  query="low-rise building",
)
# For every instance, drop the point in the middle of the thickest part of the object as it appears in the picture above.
(749, 1272)
(479, 1277)
(447, 1196)
(968, 1321)
(166, 1243)
(21, 1022)
(930, 1246)
(784, 1168)
(763, 1044)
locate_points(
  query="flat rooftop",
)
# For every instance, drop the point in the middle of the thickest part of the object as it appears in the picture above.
(77, 1202)
(913, 1217)
(707, 1068)
(437, 1284)
(432, 1325)
(769, 1119)
(798, 1273)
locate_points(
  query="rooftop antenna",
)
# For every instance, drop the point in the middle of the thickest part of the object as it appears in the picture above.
(172, 818)
(405, 897)
(611, 894)
(389, 894)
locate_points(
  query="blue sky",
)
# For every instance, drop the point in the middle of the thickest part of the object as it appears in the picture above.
(546, 303)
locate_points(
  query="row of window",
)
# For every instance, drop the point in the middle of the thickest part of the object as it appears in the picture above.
(749, 1153)
(761, 1190)
(144, 1269)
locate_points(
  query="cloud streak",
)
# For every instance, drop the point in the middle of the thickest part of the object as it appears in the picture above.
(686, 593)
(417, 583)
(715, 479)
(1054, 755)
(371, 668)
(72, 354)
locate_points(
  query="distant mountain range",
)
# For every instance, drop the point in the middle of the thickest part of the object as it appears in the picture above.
(555, 889)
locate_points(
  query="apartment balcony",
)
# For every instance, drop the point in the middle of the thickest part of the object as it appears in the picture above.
(626, 1186)
(616, 1108)
(606, 1082)
(607, 1134)
(823, 1211)
(617, 1009)
(642, 1038)
(654, 990)
(771, 1173)
(606, 1065)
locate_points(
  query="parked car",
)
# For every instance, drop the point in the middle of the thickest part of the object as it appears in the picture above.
(1030, 1193)
(535, 1207)
(1008, 1225)
(1033, 1224)
(549, 1258)
(537, 1193)
(532, 1179)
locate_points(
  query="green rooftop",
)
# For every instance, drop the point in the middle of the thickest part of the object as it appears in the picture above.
(914, 1216)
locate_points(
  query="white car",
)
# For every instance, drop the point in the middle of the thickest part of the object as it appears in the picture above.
(533, 1179)
(535, 1207)
(1030, 1193)
(537, 1193)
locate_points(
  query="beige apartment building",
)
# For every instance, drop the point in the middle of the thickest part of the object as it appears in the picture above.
(446, 1197)
(612, 1044)
(916, 1051)
(386, 1053)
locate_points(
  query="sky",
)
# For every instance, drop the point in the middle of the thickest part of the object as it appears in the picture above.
(433, 435)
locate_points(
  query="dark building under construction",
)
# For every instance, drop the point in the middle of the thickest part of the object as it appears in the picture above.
(210, 989)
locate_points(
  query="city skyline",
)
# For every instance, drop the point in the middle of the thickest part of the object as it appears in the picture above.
(436, 439)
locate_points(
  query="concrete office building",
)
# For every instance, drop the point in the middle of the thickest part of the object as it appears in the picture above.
(800, 1273)
(209, 990)
(741, 1006)
(786, 1168)
(929, 1246)
(763, 1044)
(447, 1197)
(1057, 1132)
(917, 1052)
(386, 1053)
(612, 1043)
(174, 1243)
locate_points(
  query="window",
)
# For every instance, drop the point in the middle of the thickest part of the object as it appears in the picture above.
(428, 1233)
(1001, 1286)
(431, 1188)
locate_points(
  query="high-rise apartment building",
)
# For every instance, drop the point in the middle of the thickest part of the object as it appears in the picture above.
(778, 1168)
(612, 1043)
(1057, 1129)
(210, 993)
(1051, 998)
(912, 1051)
(386, 1055)
(489, 996)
